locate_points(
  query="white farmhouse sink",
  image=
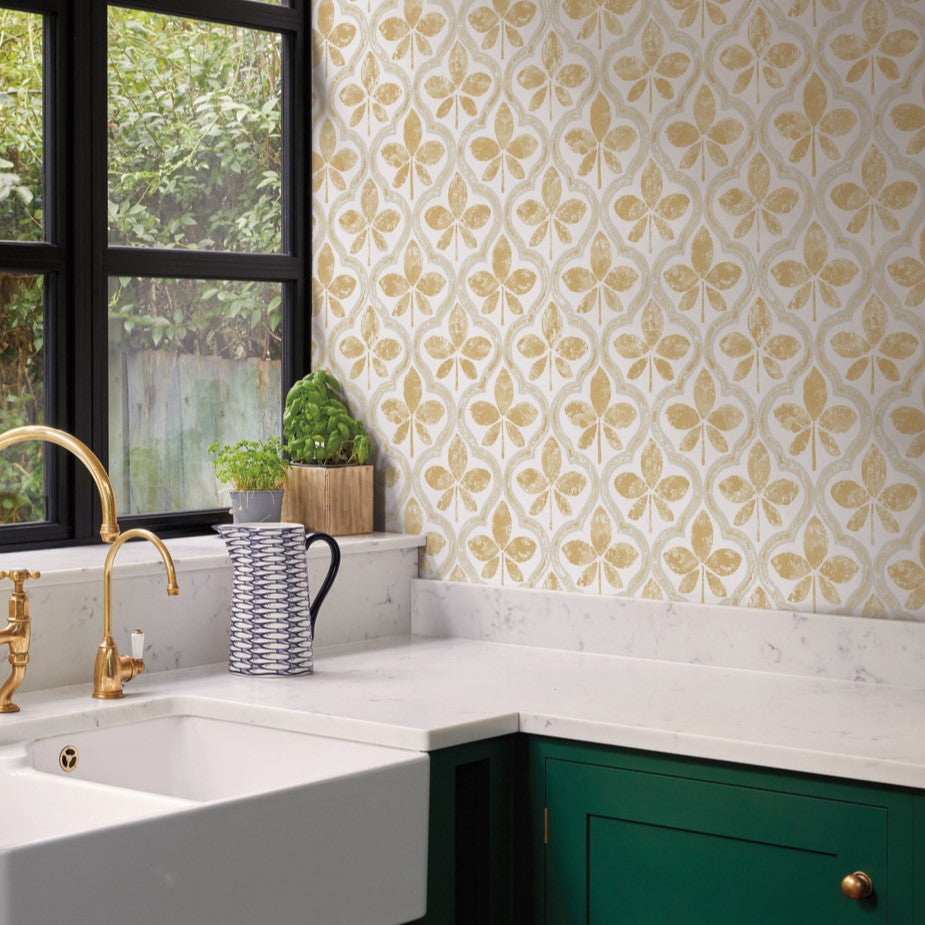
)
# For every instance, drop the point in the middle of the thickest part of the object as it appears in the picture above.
(202, 759)
(35, 807)
(189, 819)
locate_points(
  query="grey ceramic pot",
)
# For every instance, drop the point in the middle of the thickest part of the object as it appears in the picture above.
(256, 507)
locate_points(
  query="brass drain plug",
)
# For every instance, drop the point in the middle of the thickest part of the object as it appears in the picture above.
(68, 759)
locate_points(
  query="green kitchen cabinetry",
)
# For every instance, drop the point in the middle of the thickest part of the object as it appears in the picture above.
(544, 831)
(643, 839)
(919, 839)
(472, 838)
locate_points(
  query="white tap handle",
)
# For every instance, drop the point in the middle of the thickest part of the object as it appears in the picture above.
(138, 644)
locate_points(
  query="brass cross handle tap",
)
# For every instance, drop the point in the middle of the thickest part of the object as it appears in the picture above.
(16, 635)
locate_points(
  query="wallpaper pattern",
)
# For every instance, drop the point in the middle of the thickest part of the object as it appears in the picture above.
(631, 293)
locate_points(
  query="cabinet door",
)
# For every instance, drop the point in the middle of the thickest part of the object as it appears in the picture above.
(920, 859)
(648, 848)
(471, 839)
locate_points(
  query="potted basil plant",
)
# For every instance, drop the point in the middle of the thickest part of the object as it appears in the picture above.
(329, 483)
(256, 472)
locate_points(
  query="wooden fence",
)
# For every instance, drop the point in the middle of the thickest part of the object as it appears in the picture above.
(165, 409)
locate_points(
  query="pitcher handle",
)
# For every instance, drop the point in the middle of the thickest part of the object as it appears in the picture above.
(329, 578)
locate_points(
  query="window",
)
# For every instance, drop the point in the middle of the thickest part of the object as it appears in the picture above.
(152, 249)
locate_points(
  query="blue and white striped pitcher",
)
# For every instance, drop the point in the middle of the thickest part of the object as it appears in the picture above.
(272, 616)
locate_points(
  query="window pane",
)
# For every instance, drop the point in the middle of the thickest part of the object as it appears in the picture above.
(194, 134)
(191, 362)
(22, 474)
(21, 126)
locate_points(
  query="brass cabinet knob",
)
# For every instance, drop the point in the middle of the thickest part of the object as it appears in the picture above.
(857, 885)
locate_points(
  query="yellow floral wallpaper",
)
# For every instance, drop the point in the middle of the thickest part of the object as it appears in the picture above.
(631, 293)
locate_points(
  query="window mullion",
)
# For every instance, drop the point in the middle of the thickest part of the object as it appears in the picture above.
(234, 12)
(32, 258)
(87, 315)
(136, 261)
(297, 318)
(59, 360)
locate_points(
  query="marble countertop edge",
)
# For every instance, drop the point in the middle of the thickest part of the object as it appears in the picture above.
(757, 754)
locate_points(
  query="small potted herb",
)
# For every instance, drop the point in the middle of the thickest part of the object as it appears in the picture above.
(256, 472)
(329, 485)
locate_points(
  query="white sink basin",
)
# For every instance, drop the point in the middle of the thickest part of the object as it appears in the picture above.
(197, 758)
(190, 819)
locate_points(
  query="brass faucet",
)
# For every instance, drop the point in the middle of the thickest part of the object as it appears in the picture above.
(16, 635)
(111, 670)
(109, 528)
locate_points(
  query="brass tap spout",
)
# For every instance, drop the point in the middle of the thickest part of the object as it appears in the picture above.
(109, 528)
(111, 670)
(16, 635)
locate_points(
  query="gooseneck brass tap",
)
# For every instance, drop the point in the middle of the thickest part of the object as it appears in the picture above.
(109, 528)
(16, 635)
(111, 670)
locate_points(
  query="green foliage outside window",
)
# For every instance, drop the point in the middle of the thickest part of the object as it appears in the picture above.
(21, 141)
(21, 294)
(21, 337)
(194, 162)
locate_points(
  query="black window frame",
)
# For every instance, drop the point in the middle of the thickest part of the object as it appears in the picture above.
(78, 261)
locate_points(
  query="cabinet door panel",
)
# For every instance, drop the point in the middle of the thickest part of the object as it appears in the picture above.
(470, 855)
(634, 847)
(652, 875)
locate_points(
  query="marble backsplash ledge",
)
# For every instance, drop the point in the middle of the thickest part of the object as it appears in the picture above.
(370, 598)
(813, 645)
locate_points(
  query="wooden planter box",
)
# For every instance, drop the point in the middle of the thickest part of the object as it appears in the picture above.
(330, 499)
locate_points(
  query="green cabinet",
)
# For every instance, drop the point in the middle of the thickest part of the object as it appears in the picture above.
(646, 839)
(549, 832)
(919, 856)
(471, 835)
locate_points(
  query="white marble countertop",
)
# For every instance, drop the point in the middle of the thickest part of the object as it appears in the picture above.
(425, 694)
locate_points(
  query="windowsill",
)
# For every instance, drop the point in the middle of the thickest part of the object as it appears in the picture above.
(71, 564)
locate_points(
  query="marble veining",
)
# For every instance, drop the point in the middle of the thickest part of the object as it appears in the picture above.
(814, 645)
